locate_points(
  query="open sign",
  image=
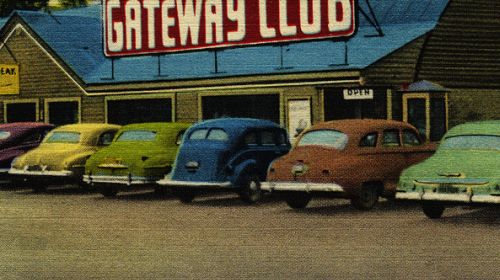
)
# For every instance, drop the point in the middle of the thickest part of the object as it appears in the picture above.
(133, 27)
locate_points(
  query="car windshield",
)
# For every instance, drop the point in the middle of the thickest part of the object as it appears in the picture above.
(63, 137)
(329, 138)
(480, 142)
(215, 134)
(137, 135)
(4, 134)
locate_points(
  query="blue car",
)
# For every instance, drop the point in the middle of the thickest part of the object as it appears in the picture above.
(226, 154)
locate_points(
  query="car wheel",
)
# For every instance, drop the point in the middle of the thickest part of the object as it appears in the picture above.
(297, 200)
(366, 199)
(250, 189)
(185, 196)
(109, 192)
(433, 210)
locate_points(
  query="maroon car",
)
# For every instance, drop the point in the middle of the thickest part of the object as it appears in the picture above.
(18, 138)
(356, 159)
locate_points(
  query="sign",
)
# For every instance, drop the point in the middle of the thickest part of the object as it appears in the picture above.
(135, 27)
(9, 79)
(299, 116)
(358, 93)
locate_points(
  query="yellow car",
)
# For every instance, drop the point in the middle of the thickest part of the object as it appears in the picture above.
(61, 157)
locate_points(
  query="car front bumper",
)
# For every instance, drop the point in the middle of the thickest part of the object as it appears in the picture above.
(301, 187)
(41, 173)
(462, 197)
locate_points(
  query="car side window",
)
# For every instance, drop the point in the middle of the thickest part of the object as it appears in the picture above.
(390, 138)
(281, 137)
(106, 138)
(250, 139)
(410, 138)
(267, 138)
(369, 140)
(32, 138)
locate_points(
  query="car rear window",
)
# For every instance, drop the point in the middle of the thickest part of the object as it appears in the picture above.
(137, 135)
(4, 134)
(480, 142)
(63, 137)
(215, 134)
(329, 138)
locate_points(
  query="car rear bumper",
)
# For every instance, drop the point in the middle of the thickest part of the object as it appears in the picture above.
(118, 180)
(301, 187)
(41, 173)
(463, 197)
(194, 185)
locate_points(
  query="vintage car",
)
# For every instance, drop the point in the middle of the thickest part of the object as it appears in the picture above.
(61, 156)
(230, 154)
(140, 155)
(356, 159)
(18, 138)
(464, 170)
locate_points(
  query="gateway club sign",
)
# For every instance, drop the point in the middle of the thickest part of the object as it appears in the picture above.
(134, 27)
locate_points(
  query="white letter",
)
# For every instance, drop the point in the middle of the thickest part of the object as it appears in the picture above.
(239, 16)
(213, 16)
(285, 29)
(113, 46)
(189, 20)
(133, 23)
(343, 23)
(150, 6)
(166, 22)
(314, 27)
(265, 31)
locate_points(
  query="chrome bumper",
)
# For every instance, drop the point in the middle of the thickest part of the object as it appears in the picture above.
(120, 180)
(301, 187)
(174, 183)
(464, 197)
(47, 173)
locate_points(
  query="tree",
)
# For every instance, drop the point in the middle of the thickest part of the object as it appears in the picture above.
(7, 6)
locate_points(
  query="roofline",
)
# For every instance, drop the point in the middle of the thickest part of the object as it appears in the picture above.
(43, 46)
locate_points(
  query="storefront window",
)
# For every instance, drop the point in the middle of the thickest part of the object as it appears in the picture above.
(336, 107)
(21, 112)
(139, 110)
(65, 112)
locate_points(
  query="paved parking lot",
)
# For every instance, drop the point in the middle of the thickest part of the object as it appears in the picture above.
(67, 234)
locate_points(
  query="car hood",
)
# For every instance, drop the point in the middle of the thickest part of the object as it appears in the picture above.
(455, 166)
(53, 155)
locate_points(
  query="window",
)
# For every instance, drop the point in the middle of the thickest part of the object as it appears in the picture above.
(63, 112)
(21, 112)
(267, 138)
(329, 138)
(282, 138)
(4, 135)
(390, 138)
(63, 137)
(137, 135)
(250, 139)
(369, 140)
(410, 138)
(198, 134)
(129, 111)
(106, 138)
(427, 112)
(217, 134)
(480, 142)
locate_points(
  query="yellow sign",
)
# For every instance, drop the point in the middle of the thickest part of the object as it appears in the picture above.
(9, 79)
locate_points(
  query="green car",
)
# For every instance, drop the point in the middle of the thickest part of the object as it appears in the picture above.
(139, 155)
(464, 170)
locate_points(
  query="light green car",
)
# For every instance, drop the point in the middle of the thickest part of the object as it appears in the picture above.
(464, 170)
(139, 155)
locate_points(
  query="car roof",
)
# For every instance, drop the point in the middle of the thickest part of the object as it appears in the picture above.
(360, 126)
(157, 126)
(86, 127)
(491, 127)
(236, 125)
(23, 125)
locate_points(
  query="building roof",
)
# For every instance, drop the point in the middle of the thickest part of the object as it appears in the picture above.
(75, 35)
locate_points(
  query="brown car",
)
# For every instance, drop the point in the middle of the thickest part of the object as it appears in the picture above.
(356, 159)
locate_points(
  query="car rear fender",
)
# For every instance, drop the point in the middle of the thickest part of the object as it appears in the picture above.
(245, 167)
